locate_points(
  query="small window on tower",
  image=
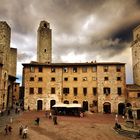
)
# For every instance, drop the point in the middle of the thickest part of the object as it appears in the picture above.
(45, 25)
(45, 50)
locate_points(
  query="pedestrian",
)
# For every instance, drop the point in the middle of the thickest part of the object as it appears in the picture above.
(116, 118)
(37, 120)
(10, 129)
(28, 108)
(8, 112)
(25, 130)
(20, 130)
(55, 119)
(50, 115)
(6, 130)
(11, 120)
(18, 111)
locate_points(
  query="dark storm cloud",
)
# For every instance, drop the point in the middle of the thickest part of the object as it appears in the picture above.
(125, 33)
(111, 23)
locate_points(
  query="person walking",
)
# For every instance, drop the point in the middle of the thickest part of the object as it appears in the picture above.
(37, 120)
(25, 130)
(20, 130)
(6, 130)
(10, 129)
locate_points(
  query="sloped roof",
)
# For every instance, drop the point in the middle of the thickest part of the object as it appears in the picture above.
(133, 87)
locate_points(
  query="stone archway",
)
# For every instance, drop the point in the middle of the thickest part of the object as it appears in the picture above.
(85, 105)
(66, 102)
(121, 108)
(107, 107)
(75, 102)
(39, 105)
(52, 102)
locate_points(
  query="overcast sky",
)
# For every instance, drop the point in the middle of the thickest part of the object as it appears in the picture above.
(82, 30)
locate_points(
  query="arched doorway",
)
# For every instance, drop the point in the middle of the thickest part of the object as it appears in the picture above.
(39, 104)
(107, 107)
(85, 105)
(66, 102)
(52, 102)
(121, 108)
(75, 102)
(128, 105)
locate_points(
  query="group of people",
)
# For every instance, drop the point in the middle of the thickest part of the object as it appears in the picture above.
(8, 129)
(52, 115)
(23, 131)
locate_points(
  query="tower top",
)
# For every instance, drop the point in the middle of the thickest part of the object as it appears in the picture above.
(44, 24)
(136, 33)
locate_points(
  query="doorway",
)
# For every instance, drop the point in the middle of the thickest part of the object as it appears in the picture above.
(107, 107)
(39, 105)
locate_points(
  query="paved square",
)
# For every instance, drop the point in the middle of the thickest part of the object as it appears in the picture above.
(91, 127)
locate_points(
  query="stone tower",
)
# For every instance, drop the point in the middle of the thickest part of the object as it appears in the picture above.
(44, 43)
(136, 55)
(5, 36)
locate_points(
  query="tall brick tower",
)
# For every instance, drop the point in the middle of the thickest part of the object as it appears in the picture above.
(136, 55)
(5, 36)
(44, 43)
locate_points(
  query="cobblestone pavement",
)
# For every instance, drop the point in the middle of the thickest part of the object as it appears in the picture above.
(91, 127)
(6, 119)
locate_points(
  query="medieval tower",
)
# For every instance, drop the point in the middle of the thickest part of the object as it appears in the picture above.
(136, 55)
(8, 60)
(44, 44)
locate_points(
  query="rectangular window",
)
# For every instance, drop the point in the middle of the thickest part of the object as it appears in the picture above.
(39, 90)
(118, 78)
(95, 103)
(85, 91)
(84, 78)
(84, 69)
(40, 69)
(40, 79)
(53, 90)
(75, 91)
(65, 91)
(52, 69)
(74, 69)
(106, 91)
(118, 68)
(94, 91)
(138, 95)
(94, 68)
(32, 69)
(75, 79)
(105, 78)
(66, 79)
(119, 90)
(94, 78)
(31, 91)
(65, 69)
(105, 68)
(53, 79)
(31, 78)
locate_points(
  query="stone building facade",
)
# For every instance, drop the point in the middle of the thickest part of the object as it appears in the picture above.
(89, 84)
(8, 66)
(99, 87)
